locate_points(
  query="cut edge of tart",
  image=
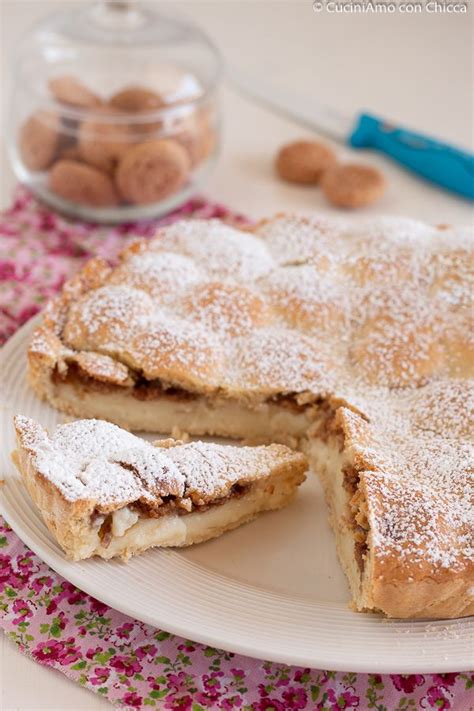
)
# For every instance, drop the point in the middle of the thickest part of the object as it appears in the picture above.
(402, 550)
(103, 491)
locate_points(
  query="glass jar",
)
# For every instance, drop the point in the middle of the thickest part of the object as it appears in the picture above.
(114, 113)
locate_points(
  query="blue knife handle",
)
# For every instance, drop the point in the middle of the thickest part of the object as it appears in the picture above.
(438, 162)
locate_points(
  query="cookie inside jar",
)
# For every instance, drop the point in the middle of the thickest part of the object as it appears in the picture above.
(116, 130)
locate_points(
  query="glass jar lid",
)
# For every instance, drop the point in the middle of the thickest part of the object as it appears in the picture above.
(112, 44)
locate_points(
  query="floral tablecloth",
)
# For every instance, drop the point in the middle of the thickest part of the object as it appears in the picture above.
(126, 661)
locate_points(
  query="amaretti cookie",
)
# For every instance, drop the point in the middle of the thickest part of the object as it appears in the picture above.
(81, 183)
(151, 171)
(71, 91)
(197, 135)
(136, 99)
(304, 161)
(102, 143)
(352, 185)
(140, 101)
(39, 140)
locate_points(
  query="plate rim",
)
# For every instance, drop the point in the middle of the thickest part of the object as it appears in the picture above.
(250, 649)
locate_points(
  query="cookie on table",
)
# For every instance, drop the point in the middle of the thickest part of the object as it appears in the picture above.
(39, 140)
(304, 162)
(352, 185)
(151, 171)
(81, 183)
(69, 90)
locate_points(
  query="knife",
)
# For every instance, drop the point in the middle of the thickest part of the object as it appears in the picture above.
(436, 161)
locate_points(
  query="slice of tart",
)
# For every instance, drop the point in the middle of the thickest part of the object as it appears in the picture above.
(103, 491)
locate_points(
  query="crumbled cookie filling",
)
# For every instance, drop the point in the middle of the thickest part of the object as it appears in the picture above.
(151, 390)
(105, 531)
(358, 515)
(182, 507)
(142, 389)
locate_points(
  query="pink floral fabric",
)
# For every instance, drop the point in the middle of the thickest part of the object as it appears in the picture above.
(127, 662)
(39, 250)
(134, 665)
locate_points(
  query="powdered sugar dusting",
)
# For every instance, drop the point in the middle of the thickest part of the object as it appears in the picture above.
(420, 481)
(274, 361)
(200, 285)
(89, 439)
(295, 240)
(161, 274)
(212, 469)
(218, 248)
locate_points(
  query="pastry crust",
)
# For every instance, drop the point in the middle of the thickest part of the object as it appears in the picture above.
(272, 331)
(102, 491)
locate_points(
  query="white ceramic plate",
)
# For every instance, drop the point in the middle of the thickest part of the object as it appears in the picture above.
(272, 589)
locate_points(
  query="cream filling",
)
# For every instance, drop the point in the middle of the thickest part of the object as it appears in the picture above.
(266, 421)
(122, 520)
(329, 462)
(133, 534)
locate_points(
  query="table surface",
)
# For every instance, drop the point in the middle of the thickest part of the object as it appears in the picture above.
(415, 69)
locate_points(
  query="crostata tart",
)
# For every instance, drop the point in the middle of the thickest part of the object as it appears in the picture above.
(349, 341)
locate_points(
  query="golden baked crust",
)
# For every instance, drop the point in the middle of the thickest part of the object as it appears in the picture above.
(103, 491)
(402, 494)
(304, 314)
